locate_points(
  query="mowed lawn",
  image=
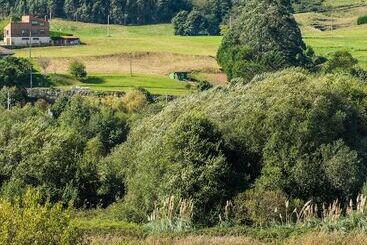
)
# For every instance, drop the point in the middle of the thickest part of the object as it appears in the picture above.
(155, 84)
(150, 38)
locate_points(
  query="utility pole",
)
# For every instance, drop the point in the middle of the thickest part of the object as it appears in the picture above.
(9, 100)
(30, 55)
(108, 26)
(131, 64)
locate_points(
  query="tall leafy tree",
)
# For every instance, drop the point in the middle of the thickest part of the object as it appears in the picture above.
(265, 37)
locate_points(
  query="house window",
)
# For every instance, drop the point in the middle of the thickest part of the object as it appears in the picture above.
(42, 24)
(35, 23)
(25, 38)
(36, 39)
(42, 31)
(35, 32)
(7, 32)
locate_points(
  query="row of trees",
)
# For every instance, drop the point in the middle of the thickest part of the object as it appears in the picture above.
(205, 18)
(120, 11)
(60, 149)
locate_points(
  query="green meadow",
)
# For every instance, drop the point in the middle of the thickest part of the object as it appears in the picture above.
(160, 39)
(155, 84)
(122, 39)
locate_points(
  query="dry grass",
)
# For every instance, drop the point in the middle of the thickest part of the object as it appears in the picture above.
(144, 63)
(190, 240)
(331, 19)
(329, 239)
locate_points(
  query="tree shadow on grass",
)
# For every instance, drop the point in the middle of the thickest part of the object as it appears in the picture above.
(94, 80)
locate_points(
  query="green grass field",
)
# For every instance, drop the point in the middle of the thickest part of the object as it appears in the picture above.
(123, 82)
(160, 39)
(352, 39)
(152, 38)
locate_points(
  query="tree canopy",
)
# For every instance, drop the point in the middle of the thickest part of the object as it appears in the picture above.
(264, 37)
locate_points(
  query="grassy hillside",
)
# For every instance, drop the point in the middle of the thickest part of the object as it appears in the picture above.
(152, 38)
(155, 50)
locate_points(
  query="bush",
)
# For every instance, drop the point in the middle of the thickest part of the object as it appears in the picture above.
(26, 221)
(260, 207)
(362, 20)
(342, 61)
(204, 85)
(77, 69)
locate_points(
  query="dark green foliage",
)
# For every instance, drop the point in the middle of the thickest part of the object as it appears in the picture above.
(204, 19)
(197, 166)
(190, 24)
(292, 132)
(14, 72)
(204, 85)
(259, 207)
(61, 155)
(362, 20)
(17, 96)
(264, 37)
(121, 11)
(303, 6)
(341, 60)
(77, 69)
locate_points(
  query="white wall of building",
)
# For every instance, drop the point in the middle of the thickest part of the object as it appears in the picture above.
(24, 41)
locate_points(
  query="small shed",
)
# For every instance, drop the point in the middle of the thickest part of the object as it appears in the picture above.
(5, 52)
(179, 75)
(71, 40)
(66, 40)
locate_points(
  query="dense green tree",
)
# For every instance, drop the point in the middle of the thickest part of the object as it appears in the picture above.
(264, 37)
(204, 19)
(14, 72)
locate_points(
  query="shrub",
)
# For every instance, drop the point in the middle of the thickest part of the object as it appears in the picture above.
(134, 100)
(204, 85)
(26, 221)
(362, 20)
(260, 207)
(341, 60)
(77, 69)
